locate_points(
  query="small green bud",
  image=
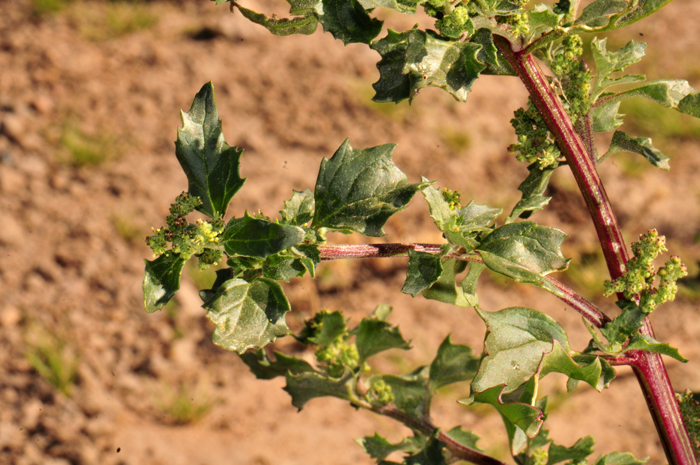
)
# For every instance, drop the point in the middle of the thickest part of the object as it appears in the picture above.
(381, 392)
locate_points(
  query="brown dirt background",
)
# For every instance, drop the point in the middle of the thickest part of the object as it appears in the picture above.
(71, 235)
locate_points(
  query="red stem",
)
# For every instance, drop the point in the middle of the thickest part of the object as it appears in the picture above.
(649, 367)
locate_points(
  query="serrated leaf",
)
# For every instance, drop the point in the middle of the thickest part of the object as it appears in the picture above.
(247, 315)
(576, 453)
(393, 85)
(598, 14)
(452, 364)
(690, 409)
(639, 145)
(523, 415)
(606, 117)
(541, 19)
(293, 263)
(348, 21)
(525, 252)
(415, 59)
(161, 280)
(608, 63)
(359, 189)
(323, 329)
(460, 226)
(434, 62)
(623, 326)
(445, 289)
(516, 341)
(533, 189)
(489, 55)
(402, 6)
(210, 164)
(430, 455)
(258, 238)
(303, 387)
(379, 448)
(375, 336)
(464, 438)
(690, 105)
(607, 15)
(264, 368)
(410, 391)
(649, 344)
(619, 458)
(298, 210)
(424, 269)
(306, 24)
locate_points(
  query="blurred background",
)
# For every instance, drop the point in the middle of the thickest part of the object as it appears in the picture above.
(89, 98)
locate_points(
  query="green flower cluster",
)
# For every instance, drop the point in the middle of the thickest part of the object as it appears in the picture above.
(453, 198)
(200, 239)
(535, 143)
(338, 356)
(640, 274)
(456, 23)
(381, 392)
(574, 76)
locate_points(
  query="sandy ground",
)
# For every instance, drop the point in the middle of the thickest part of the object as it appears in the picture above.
(89, 101)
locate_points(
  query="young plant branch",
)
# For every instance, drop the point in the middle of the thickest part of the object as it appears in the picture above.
(649, 369)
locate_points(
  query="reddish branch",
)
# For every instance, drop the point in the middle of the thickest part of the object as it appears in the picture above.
(649, 367)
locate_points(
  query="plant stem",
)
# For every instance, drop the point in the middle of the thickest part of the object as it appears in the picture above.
(566, 294)
(426, 427)
(649, 368)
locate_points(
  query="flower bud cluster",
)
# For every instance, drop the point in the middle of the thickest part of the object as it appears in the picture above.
(452, 198)
(200, 239)
(381, 392)
(574, 76)
(640, 274)
(338, 356)
(535, 142)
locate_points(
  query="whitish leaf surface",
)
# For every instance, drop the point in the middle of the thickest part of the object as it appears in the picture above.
(424, 269)
(375, 336)
(309, 385)
(282, 27)
(247, 315)
(359, 189)
(608, 63)
(639, 145)
(533, 189)
(161, 280)
(619, 458)
(415, 59)
(258, 238)
(210, 164)
(299, 209)
(525, 252)
(452, 364)
(607, 15)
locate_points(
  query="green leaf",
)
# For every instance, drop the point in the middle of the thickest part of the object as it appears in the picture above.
(460, 226)
(516, 341)
(469, 283)
(489, 55)
(379, 448)
(464, 438)
(449, 65)
(393, 85)
(690, 409)
(430, 455)
(607, 15)
(306, 24)
(247, 315)
(323, 329)
(292, 263)
(452, 364)
(690, 105)
(608, 63)
(525, 416)
(525, 252)
(210, 164)
(375, 336)
(258, 238)
(445, 289)
(402, 6)
(306, 386)
(606, 117)
(264, 368)
(424, 269)
(649, 344)
(410, 391)
(619, 458)
(359, 189)
(598, 14)
(623, 326)
(415, 59)
(541, 19)
(348, 21)
(222, 276)
(298, 210)
(161, 280)
(640, 145)
(533, 189)
(575, 454)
